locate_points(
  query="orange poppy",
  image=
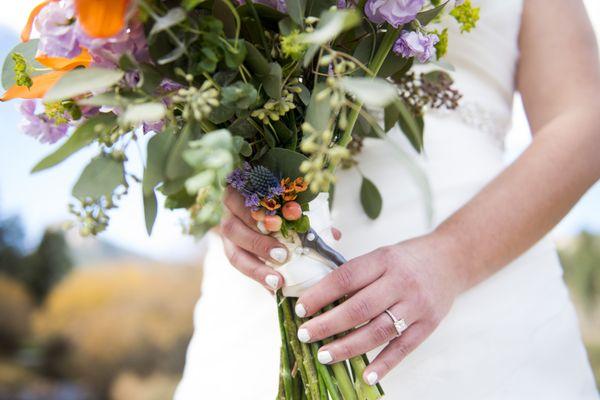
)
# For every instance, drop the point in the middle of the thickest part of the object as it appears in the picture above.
(41, 83)
(102, 18)
(300, 185)
(270, 204)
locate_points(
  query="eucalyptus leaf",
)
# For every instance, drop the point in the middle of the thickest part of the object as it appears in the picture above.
(304, 94)
(425, 17)
(173, 55)
(296, 10)
(83, 136)
(373, 92)
(409, 124)
(173, 17)
(101, 177)
(147, 112)
(319, 109)
(256, 61)
(28, 50)
(199, 181)
(150, 210)
(81, 81)
(159, 147)
(370, 198)
(176, 167)
(273, 81)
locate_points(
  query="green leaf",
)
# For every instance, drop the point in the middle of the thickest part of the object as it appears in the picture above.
(28, 50)
(150, 211)
(147, 112)
(256, 61)
(331, 24)
(296, 10)
(159, 147)
(304, 95)
(394, 64)
(301, 225)
(273, 81)
(83, 136)
(239, 95)
(82, 81)
(373, 92)
(199, 181)
(391, 117)
(410, 125)
(176, 167)
(425, 17)
(191, 4)
(370, 198)
(319, 109)
(173, 55)
(170, 19)
(100, 178)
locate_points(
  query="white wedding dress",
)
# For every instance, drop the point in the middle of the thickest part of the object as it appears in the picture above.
(514, 336)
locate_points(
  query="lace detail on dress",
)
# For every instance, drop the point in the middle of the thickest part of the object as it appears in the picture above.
(495, 124)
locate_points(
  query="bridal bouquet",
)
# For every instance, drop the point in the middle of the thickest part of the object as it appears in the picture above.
(270, 97)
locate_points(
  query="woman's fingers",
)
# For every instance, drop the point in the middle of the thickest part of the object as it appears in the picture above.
(235, 203)
(396, 351)
(263, 246)
(379, 331)
(251, 266)
(360, 308)
(350, 277)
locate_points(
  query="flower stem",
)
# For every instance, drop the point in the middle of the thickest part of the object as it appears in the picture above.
(374, 66)
(365, 392)
(286, 376)
(290, 330)
(324, 373)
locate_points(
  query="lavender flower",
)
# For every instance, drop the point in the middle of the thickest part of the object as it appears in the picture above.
(106, 52)
(239, 176)
(416, 44)
(252, 201)
(395, 12)
(40, 126)
(346, 3)
(57, 30)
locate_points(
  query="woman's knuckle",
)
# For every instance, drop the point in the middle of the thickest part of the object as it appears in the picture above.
(359, 310)
(402, 350)
(343, 278)
(259, 244)
(345, 351)
(382, 332)
(322, 329)
(228, 226)
(234, 258)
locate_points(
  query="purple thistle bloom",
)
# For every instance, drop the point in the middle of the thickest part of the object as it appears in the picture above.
(416, 44)
(40, 126)
(395, 12)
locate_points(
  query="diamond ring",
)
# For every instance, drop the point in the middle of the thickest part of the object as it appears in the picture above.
(399, 324)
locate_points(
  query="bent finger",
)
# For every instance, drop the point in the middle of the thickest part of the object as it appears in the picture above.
(251, 266)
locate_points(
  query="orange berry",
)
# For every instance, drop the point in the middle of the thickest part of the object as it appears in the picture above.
(258, 215)
(273, 223)
(291, 211)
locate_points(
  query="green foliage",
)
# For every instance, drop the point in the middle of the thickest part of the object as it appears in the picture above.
(100, 178)
(370, 198)
(466, 15)
(20, 69)
(28, 67)
(81, 81)
(240, 95)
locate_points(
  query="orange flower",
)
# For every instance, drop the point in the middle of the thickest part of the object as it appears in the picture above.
(289, 192)
(299, 185)
(42, 83)
(270, 204)
(102, 18)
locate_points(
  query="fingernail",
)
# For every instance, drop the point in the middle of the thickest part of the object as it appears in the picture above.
(261, 227)
(272, 281)
(324, 357)
(303, 335)
(300, 310)
(278, 254)
(372, 378)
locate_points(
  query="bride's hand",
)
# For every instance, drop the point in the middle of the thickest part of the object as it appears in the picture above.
(416, 280)
(246, 247)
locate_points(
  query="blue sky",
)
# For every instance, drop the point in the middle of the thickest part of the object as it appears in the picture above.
(41, 200)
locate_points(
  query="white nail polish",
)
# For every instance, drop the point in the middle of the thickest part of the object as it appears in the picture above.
(278, 254)
(303, 335)
(261, 227)
(272, 281)
(372, 378)
(324, 357)
(300, 310)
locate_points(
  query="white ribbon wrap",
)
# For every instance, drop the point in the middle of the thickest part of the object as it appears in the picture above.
(305, 267)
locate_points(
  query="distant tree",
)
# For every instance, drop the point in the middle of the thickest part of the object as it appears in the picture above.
(581, 261)
(11, 247)
(47, 265)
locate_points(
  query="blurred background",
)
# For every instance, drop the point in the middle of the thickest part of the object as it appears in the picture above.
(110, 317)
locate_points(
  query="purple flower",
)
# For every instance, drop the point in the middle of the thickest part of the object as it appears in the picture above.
(107, 51)
(239, 176)
(55, 23)
(416, 44)
(346, 3)
(252, 201)
(395, 12)
(40, 126)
